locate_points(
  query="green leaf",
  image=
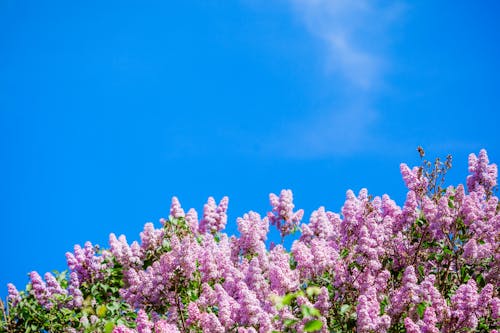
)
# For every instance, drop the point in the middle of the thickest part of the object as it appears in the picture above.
(344, 253)
(290, 322)
(421, 270)
(217, 237)
(480, 280)
(108, 327)
(313, 291)
(313, 326)
(288, 298)
(308, 311)
(447, 250)
(113, 306)
(421, 309)
(383, 305)
(344, 308)
(463, 273)
(101, 311)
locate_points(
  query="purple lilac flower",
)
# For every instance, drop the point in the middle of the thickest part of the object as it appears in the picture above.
(194, 314)
(226, 305)
(123, 329)
(482, 173)
(323, 303)
(464, 303)
(409, 213)
(214, 217)
(240, 276)
(282, 278)
(73, 289)
(151, 238)
(304, 258)
(250, 307)
(188, 251)
(430, 321)
(85, 262)
(428, 293)
(495, 308)
(192, 220)
(162, 326)
(13, 296)
(413, 180)
(321, 225)
(406, 293)
(253, 232)
(208, 259)
(324, 256)
(484, 300)
(470, 249)
(39, 289)
(367, 310)
(53, 287)
(256, 281)
(176, 210)
(94, 319)
(210, 323)
(127, 256)
(143, 323)
(246, 330)
(282, 215)
(411, 326)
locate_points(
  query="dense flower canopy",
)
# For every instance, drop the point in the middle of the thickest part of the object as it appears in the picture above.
(432, 265)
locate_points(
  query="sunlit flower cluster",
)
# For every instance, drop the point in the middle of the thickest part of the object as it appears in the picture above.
(432, 265)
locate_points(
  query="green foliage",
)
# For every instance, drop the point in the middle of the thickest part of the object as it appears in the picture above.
(103, 308)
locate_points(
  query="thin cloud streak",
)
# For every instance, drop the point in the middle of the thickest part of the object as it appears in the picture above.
(343, 25)
(354, 33)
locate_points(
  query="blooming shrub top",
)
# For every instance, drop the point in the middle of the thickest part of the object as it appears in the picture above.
(432, 265)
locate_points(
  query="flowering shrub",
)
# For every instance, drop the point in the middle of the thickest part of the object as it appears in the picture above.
(432, 265)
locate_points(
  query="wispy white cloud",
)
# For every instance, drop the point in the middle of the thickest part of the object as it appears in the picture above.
(355, 35)
(343, 25)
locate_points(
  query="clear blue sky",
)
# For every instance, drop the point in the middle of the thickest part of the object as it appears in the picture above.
(110, 108)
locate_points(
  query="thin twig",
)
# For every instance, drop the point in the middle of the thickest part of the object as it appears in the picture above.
(6, 319)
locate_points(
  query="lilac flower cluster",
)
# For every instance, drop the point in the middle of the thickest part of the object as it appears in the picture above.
(432, 265)
(482, 173)
(14, 297)
(282, 215)
(48, 293)
(86, 263)
(214, 216)
(144, 325)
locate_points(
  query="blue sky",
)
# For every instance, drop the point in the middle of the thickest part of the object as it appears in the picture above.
(110, 108)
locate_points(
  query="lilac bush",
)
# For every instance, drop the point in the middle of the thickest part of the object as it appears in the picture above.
(430, 265)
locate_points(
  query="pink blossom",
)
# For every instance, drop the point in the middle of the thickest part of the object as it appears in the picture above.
(123, 329)
(413, 180)
(253, 232)
(282, 215)
(143, 323)
(214, 216)
(482, 173)
(176, 210)
(14, 296)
